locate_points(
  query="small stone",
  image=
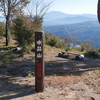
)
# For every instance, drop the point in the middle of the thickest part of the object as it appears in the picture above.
(92, 98)
(42, 97)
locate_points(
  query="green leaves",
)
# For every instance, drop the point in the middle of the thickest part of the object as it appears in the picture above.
(30, 73)
(53, 40)
(7, 60)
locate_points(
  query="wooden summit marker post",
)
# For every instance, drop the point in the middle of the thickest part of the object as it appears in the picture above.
(39, 61)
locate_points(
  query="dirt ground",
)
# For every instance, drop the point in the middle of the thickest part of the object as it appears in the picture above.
(65, 79)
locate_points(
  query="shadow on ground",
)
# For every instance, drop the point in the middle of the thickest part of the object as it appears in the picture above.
(59, 67)
(66, 66)
(16, 90)
(10, 87)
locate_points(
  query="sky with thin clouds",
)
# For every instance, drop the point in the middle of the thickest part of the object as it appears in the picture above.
(75, 6)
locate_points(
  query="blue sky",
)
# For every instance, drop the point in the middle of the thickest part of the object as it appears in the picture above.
(75, 6)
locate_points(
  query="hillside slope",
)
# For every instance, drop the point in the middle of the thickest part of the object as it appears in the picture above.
(84, 31)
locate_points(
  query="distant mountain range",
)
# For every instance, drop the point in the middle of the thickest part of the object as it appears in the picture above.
(60, 18)
(89, 30)
(84, 26)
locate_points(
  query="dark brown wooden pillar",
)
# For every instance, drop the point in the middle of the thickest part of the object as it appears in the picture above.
(39, 61)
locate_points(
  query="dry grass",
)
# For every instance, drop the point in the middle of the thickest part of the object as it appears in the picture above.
(10, 80)
(64, 81)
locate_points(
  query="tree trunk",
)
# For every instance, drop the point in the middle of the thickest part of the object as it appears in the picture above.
(7, 31)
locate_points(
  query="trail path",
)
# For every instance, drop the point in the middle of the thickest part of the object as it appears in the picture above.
(65, 79)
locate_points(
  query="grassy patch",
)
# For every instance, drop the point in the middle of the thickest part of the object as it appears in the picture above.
(7, 60)
(30, 73)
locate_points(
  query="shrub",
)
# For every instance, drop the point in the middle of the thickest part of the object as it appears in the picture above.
(22, 32)
(30, 73)
(2, 29)
(50, 39)
(7, 60)
(94, 54)
(53, 40)
(85, 46)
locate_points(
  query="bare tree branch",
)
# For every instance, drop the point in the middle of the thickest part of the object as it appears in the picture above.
(36, 10)
(11, 8)
(38, 7)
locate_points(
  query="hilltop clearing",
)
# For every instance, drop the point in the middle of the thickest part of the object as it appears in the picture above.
(65, 79)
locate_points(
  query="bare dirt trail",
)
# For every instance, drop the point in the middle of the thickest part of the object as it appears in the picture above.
(65, 79)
